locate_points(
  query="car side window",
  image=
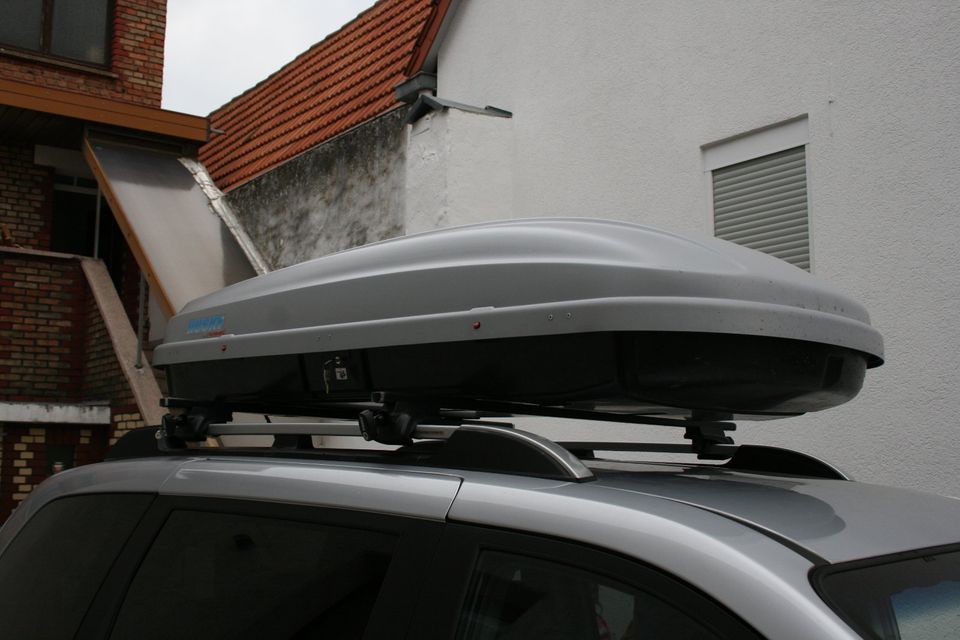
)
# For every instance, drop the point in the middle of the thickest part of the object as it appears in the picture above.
(224, 575)
(514, 596)
(52, 570)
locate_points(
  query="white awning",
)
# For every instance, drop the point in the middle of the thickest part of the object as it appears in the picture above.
(182, 245)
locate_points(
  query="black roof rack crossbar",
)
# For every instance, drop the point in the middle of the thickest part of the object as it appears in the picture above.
(586, 450)
(448, 406)
(469, 441)
(745, 457)
(392, 419)
(467, 444)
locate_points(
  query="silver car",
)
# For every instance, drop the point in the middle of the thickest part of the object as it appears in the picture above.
(525, 540)
(461, 525)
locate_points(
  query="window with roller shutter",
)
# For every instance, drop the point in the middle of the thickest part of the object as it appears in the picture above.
(762, 204)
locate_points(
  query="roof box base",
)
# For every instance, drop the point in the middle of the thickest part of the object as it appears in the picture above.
(625, 372)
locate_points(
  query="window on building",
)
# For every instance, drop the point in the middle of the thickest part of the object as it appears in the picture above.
(81, 228)
(72, 29)
(60, 457)
(759, 187)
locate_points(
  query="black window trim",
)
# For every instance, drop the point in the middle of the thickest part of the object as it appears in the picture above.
(44, 55)
(450, 585)
(819, 575)
(24, 530)
(392, 613)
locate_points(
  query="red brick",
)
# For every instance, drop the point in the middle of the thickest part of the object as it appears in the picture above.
(134, 21)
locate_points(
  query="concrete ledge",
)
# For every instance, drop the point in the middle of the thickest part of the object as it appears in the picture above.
(142, 382)
(43, 412)
(36, 253)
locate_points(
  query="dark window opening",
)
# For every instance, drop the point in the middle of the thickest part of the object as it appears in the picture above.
(52, 570)
(72, 29)
(897, 598)
(60, 457)
(518, 597)
(231, 576)
(76, 230)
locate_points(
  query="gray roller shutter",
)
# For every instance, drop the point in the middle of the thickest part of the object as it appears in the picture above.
(762, 204)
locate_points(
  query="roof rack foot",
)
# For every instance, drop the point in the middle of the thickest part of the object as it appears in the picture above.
(396, 422)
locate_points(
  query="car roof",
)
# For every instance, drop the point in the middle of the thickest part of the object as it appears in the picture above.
(634, 513)
(833, 520)
(825, 520)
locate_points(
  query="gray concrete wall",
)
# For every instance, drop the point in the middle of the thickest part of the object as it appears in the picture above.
(344, 193)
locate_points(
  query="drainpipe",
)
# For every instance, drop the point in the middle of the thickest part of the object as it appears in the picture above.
(141, 320)
(96, 227)
(420, 84)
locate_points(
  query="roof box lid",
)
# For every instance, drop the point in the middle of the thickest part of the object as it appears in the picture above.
(519, 278)
(581, 313)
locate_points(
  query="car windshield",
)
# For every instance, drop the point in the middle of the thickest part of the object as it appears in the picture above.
(914, 598)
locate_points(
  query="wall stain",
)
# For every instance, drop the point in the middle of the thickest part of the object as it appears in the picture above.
(344, 193)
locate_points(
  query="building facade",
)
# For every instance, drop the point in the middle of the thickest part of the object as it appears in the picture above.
(824, 133)
(82, 289)
(320, 144)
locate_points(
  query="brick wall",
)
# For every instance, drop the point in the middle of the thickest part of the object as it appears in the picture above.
(135, 71)
(26, 211)
(42, 325)
(25, 197)
(20, 465)
(103, 379)
(54, 347)
(124, 419)
(25, 460)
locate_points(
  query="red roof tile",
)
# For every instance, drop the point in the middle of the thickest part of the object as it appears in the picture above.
(340, 82)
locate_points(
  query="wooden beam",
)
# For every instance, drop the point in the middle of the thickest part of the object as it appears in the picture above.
(103, 111)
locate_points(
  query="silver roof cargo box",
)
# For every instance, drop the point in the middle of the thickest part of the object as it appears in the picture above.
(576, 313)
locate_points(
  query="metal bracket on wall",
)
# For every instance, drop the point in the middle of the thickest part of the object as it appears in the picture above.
(426, 104)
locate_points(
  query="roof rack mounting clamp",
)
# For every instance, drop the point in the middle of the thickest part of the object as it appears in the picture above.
(193, 425)
(704, 438)
(396, 422)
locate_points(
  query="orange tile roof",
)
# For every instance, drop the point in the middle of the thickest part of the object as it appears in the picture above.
(340, 82)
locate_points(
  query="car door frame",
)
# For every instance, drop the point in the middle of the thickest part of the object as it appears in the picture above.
(453, 577)
(392, 612)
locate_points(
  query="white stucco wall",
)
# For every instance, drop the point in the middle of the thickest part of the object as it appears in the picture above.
(613, 102)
